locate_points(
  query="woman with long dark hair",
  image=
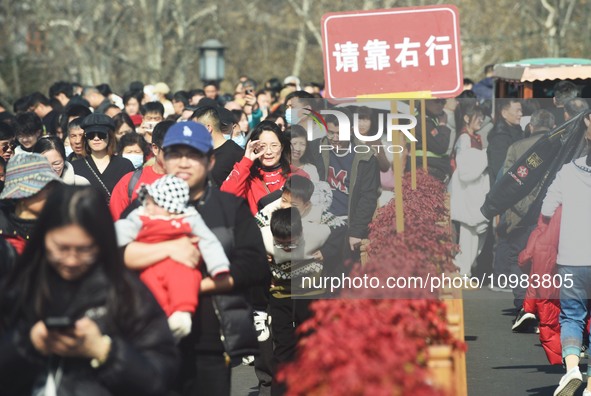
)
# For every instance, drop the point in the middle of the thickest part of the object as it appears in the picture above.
(72, 319)
(469, 118)
(469, 185)
(264, 167)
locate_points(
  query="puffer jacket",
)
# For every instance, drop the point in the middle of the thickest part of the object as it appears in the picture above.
(143, 359)
(539, 257)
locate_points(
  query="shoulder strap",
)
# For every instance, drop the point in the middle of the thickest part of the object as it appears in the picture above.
(133, 181)
(98, 178)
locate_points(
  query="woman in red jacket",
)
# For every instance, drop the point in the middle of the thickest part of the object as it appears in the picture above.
(264, 167)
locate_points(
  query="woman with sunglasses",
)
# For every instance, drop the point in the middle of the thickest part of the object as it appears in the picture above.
(73, 320)
(101, 167)
(264, 168)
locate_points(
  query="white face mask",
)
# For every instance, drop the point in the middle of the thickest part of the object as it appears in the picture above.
(68, 151)
(291, 116)
(136, 159)
(240, 140)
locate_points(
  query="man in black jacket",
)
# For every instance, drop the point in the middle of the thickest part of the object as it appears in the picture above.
(505, 132)
(223, 327)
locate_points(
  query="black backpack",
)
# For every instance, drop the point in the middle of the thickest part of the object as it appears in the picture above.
(133, 181)
(538, 165)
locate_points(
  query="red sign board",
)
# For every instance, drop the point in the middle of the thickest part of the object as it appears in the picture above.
(393, 51)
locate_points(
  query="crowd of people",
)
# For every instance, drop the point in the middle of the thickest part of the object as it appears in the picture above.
(163, 231)
(541, 235)
(150, 242)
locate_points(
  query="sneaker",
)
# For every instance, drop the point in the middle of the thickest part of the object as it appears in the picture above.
(569, 383)
(261, 326)
(524, 321)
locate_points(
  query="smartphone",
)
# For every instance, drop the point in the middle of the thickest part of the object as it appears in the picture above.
(59, 323)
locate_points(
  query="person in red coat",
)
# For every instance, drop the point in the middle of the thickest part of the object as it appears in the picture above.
(539, 259)
(264, 168)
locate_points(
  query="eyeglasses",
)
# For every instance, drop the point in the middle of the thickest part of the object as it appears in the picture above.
(275, 147)
(83, 253)
(285, 246)
(94, 135)
(9, 145)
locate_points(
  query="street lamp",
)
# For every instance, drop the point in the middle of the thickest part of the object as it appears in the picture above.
(211, 61)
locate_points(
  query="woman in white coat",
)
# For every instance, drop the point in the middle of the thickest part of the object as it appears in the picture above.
(468, 187)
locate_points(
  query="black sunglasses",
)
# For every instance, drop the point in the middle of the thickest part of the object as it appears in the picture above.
(12, 145)
(93, 135)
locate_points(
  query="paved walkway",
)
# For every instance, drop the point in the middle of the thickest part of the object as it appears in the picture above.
(500, 362)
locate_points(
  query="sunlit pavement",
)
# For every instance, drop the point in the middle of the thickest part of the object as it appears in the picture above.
(500, 362)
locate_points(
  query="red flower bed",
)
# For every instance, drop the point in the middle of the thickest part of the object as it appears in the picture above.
(425, 247)
(377, 346)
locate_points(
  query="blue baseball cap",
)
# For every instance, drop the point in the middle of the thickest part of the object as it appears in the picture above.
(189, 133)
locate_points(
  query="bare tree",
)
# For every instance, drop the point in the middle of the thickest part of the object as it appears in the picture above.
(157, 40)
(557, 23)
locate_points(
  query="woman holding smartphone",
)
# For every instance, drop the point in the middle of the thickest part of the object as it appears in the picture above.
(72, 319)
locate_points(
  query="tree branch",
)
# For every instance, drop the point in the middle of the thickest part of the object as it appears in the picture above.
(567, 17)
(551, 14)
(309, 24)
(204, 12)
